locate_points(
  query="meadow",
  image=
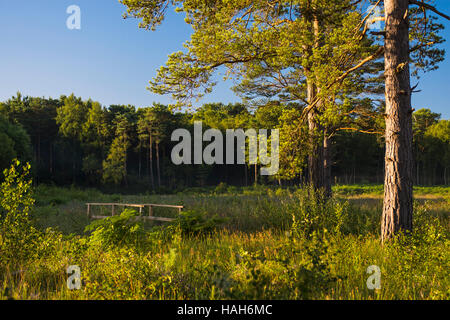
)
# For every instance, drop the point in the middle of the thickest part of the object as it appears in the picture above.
(229, 243)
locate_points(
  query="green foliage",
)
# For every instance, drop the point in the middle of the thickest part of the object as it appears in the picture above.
(72, 116)
(116, 230)
(17, 235)
(114, 167)
(423, 119)
(438, 137)
(313, 212)
(7, 147)
(259, 253)
(221, 188)
(296, 269)
(425, 37)
(14, 143)
(110, 146)
(293, 152)
(432, 146)
(276, 243)
(196, 223)
(423, 252)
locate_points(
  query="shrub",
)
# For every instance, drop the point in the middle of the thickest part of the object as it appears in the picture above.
(17, 236)
(221, 188)
(193, 223)
(311, 211)
(232, 190)
(296, 269)
(116, 230)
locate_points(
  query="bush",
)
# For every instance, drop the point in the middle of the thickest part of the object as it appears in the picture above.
(312, 212)
(233, 190)
(116, 230)
(17, 236)
(221, 188)
(194, 223)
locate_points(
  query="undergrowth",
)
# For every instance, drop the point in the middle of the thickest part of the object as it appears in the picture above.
(283, 244)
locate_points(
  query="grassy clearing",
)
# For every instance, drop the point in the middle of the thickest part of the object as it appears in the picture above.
(249, 243)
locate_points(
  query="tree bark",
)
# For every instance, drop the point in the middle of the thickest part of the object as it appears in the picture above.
(39, 147)
(157, 164)
(315, 159)
(327, 165)
(398, 193)
(418, 173)
(152, 179)
(318, 166)
(51, 158)
(140, 162)
(445, 176)
(246, 175)
(73, 161)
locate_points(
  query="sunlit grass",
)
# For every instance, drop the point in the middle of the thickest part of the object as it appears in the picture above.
(257, 253)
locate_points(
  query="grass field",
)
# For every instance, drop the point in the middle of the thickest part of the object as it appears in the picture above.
(232, 243)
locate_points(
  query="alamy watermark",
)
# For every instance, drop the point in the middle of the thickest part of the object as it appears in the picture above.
(374, 281)
(213, 153)
(376, 16)
(73, 22)
(74, 279)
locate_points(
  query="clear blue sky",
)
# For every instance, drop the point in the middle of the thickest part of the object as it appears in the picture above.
(111, 60)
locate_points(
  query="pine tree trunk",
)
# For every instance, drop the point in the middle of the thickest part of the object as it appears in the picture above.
(125, 165)
(157, 164)
(445, 176)
(327, 165)
(148, 163)
(51, 158)
(418, 173)
(73, 162)
(140, 162)
(152, 179)
(315, 159)
(39, 148)
(434, 174)
(246, 175)
(398, 194)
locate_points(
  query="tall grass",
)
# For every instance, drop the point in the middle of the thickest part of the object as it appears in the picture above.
(269, 244)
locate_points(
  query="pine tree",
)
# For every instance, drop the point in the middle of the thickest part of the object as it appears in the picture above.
(299, 51)
(115, 166)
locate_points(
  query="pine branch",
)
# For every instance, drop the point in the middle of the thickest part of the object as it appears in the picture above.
(359, 130)
(365, 21)
(429, 7)
(422, 45)
(372, 57)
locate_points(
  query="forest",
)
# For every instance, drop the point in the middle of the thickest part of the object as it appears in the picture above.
(71, 141)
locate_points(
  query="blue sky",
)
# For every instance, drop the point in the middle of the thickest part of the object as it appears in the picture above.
(111, 60)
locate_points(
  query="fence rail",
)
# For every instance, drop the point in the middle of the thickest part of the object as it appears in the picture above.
(141, 207)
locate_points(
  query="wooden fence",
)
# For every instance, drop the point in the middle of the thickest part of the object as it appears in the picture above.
(141, 207)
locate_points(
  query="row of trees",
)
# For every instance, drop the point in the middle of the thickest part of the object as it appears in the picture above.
(71, 140)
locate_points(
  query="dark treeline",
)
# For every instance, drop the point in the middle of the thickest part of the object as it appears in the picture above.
(74, 141)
